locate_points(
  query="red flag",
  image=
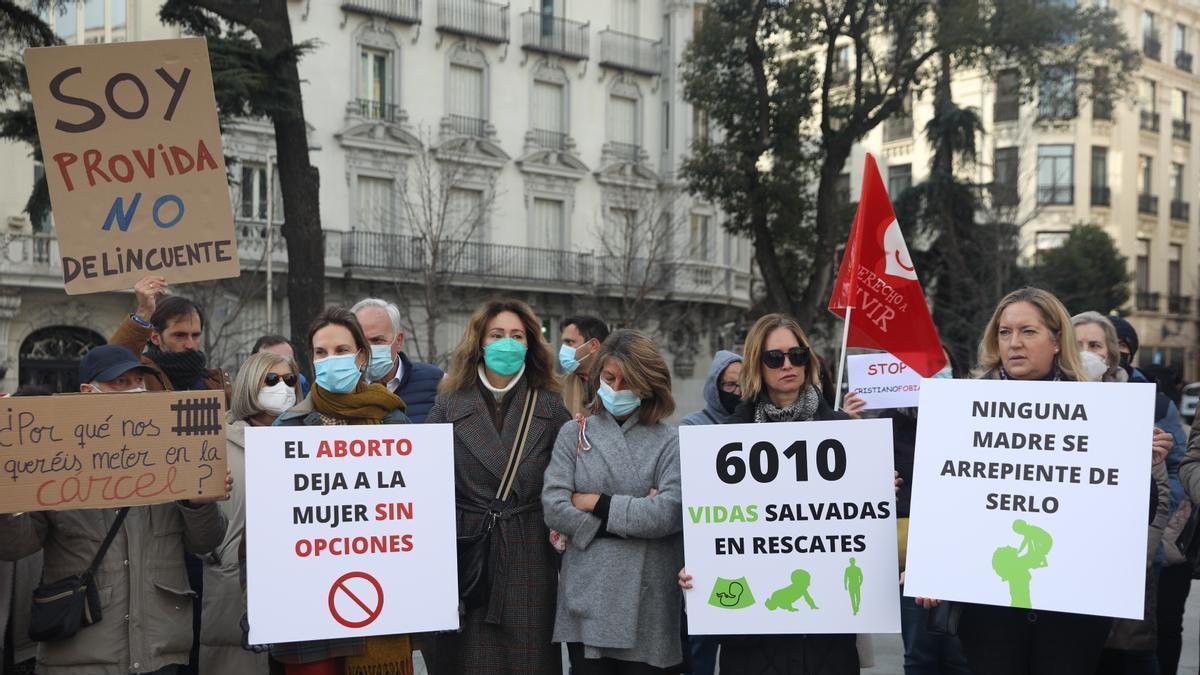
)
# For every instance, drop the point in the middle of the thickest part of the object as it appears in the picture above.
(877, 278)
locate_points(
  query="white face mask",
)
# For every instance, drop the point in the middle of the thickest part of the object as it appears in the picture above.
(1093, 365)
(275, 400)
(97, 390)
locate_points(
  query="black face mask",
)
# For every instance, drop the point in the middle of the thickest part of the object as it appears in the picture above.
(728, 401)
(1126, 361)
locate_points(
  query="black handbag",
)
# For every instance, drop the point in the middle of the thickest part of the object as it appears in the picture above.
(61, 608)
(474, 584)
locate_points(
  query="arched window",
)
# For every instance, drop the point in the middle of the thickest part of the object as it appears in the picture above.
(50, 356)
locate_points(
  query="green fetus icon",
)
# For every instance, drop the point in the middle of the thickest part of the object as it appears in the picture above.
(731, 594)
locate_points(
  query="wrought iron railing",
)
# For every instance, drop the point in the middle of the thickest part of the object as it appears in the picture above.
(377, 110)
(404, 11)
(1148, 204)
(627, 152)
(468, 126)
(1150, 121)
(554, 140)
(1179, 304)
(1180, 210)
(554, 35)
(479, 19)
(1181, 130)
(630, 52)
(1183, 60)
(1101, 195)
(1152, 48)
(1146, 301)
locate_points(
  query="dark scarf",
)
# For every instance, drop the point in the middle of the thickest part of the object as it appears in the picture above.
(801, 411)
(184, 369)
(1055, 375)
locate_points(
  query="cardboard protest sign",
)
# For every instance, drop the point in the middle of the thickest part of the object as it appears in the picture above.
(364, 515)
(790, 528)
(1032, 494)
(87, 451)
(883, 381)
(134, 162)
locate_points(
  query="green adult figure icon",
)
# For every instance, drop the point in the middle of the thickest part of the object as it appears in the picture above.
(1013, 565)
(852, 581)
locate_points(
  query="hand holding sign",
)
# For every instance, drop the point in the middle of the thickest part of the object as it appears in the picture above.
(134, 162)
(212, 499)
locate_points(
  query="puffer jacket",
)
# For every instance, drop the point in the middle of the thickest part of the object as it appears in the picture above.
(145, 599)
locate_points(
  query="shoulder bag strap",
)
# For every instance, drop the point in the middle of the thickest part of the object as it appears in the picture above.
(108, 540)
(518, 448)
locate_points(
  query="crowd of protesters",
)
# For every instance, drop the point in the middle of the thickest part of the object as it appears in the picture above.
(590, 526)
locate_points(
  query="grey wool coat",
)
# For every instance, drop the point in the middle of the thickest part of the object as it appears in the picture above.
(512, 633)
(618, 595)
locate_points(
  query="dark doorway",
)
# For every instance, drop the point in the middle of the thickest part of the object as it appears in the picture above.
(50, 357)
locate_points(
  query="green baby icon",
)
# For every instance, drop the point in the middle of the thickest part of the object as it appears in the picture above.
(785, 597)
(731, 594)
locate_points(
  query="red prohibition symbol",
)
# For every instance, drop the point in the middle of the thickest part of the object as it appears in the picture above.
(371, 605)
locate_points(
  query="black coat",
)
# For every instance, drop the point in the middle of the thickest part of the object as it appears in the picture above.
(834, 654)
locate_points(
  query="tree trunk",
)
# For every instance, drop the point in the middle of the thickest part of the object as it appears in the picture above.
(300, 184)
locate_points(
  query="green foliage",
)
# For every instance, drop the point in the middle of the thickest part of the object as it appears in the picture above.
(769, 76)
(1087, 272)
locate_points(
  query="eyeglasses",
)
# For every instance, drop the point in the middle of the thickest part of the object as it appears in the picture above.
(273, 379)
(731, 387)
(774, 358)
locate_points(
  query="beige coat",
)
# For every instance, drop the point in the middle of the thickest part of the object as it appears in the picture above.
(145, 598)
(224, 602)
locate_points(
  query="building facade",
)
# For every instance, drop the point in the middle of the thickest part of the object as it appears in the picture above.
(465, 148)
(1129, 165)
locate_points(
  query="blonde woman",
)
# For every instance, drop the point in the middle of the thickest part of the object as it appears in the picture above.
(266, 385)
(780, 384)
(502, 361)
(613, 489)
(1030, 337)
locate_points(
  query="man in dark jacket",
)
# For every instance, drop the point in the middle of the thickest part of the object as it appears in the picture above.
(416, 383)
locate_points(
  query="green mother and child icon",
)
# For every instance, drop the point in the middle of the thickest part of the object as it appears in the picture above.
(1013, 564)
(736, 594)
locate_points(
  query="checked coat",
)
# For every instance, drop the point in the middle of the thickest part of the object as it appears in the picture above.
(512, 634)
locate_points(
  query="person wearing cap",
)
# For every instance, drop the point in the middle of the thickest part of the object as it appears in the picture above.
(145, 600)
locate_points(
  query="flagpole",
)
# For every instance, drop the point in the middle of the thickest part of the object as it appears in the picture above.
(837, 392)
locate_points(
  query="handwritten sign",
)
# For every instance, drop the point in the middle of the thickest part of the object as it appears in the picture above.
(365, 516)
(883, 381)
(1032, 495)
(790, 528)
(134, 162)
(83, 451)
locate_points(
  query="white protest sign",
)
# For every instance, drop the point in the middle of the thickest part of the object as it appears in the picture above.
(790, 528)
(350, 531)
(1032, 494)
(883, 381)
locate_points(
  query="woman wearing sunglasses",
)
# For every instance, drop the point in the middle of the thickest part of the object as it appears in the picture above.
(266, 385)
(340, 395)
(780, 384)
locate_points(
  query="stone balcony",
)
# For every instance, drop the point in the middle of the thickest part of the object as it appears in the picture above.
(32, 259)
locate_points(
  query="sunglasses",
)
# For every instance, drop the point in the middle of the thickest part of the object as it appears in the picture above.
(273, 379)
(774, 358)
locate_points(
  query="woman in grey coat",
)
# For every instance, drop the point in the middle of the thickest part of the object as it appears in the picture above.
(612, 489)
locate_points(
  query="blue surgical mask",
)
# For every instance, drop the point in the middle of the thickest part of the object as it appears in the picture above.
(618, 403)
(944, 374)
(504, 357)
(381, 362)
(338, 374)
(566, 358)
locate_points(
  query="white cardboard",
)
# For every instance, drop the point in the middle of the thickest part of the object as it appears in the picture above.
(290, 596)
(867, 478)
(1097, 561)
(883, 381)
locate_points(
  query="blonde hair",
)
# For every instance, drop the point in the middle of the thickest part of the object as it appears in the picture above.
(464, 363)
(756, 340)
(1054, 317)
(1113, 360)
(244, 402)
(642, 368)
